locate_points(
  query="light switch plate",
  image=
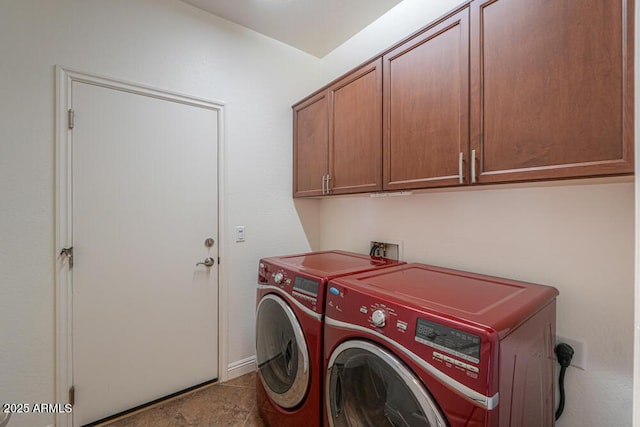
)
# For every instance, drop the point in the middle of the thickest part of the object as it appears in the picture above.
(240, 233)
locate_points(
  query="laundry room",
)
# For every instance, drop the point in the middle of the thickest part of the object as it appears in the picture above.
(576, 234)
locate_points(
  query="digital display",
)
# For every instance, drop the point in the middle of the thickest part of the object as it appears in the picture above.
(453, 341)
(308, 286)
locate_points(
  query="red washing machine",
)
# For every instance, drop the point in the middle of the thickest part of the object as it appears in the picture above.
(418, 345)
(289, 331)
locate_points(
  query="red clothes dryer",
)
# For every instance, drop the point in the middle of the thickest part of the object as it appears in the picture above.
(417, 345)
(289, 327)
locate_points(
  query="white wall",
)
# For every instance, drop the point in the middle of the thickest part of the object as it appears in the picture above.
(402, 20)
(165, 44)
(636, 358)
(577, 236)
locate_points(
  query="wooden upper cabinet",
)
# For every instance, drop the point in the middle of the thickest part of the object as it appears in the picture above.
(355, 124)
(310, 145)
(337, 136)
(498, 91)
(426, 108)
(552, 88)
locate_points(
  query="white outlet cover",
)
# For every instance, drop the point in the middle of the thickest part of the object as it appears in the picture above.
(579, 359)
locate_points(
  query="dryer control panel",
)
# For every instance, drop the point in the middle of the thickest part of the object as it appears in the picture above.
(308, 291)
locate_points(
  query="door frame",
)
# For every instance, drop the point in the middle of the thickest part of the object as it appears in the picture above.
(63, 221)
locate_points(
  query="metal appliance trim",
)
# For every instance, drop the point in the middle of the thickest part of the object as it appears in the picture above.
(417, 388)
(488, 402)
(292, 300)
(289, 399)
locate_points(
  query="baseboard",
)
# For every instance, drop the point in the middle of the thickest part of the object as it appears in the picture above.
(241, 367)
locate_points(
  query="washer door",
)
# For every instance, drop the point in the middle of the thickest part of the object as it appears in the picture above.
(367, 386)
(281, 352)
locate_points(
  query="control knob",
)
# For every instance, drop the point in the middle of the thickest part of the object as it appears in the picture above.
(378, 318)
(278, 278)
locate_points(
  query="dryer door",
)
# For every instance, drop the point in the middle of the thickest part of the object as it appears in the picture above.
(281, 352)
(368, 386)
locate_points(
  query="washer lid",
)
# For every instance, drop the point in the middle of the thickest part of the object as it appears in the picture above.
(281, 351)
(497, 303)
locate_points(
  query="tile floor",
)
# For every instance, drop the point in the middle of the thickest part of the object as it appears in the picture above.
(228, 404)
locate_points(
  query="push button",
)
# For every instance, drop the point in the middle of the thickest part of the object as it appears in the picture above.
(473, 368)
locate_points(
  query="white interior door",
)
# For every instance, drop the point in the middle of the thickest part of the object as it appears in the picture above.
(144, 197)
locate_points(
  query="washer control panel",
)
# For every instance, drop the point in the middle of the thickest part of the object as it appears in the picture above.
(454, 341)
(460, 353)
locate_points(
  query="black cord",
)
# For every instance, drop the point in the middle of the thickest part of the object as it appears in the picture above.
(564, 353)
(373, 250)
(562, 395)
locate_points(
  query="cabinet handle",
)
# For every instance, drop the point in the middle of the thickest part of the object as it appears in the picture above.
(473, 166)
(460, 173)
(324, 184)
(328, 186)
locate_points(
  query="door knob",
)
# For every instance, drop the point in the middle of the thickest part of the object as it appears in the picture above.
(208, 262)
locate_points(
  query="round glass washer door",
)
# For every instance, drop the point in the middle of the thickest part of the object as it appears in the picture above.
(368, 386)
(281, 352)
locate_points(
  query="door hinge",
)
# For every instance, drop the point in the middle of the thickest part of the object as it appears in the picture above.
(72, 395)
(68, 252)
(71, 118)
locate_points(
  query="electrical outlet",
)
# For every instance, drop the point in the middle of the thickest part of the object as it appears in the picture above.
(386, 248)
(579, 359)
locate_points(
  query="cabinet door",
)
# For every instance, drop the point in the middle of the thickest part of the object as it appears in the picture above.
(552, 89)
(310, 145)
(355, 123)
(426, 108)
